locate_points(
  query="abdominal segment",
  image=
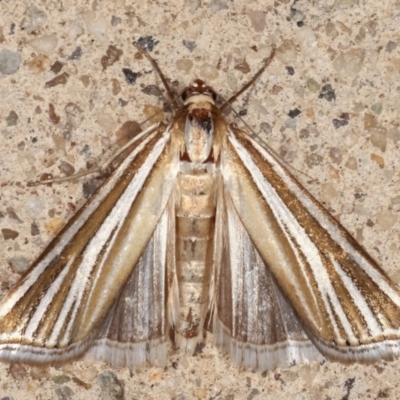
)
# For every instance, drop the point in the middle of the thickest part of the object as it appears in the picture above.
(195, 212)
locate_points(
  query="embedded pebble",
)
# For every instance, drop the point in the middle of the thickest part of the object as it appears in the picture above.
(370, 121)
(61, 79)
(379, 138)
(115, 20)
(386, 219)
(193, 5)
(34, 18)
(75, 31)
(257, 19)
(266, 127)
(116, 87)
(338, 123)
(377, 108)
(76, 54)
(344, 4)
(54, 225)
(232, 81)
(331, 31)
(390, 46)
(242, 66)
(90, 186)
(18, 371)
(308, 373)
(106, 121)
(286, 52)
(9, 234)
(12, 118)
(113, 54)
(335, 155)
(349, 64)
(378, 159)
(98, 30)
(34, 206)
(184, 64)
(112, 388)
(19, 264)
(394, 135)
(64, 393)
(56, 67)
(10, 62)
(328, 192)
(153, 113)
(130, 76)
(347, 208)
(217, 5)
(88, 16)
(313, 159)
(45, 44)
(308, 40)
(208, 72)
(350, 139)
(148, 43)
(257, 106)
(312, 85)
(39, 372)
(327, 93)
(351, 163)
(189, 44)
(60, 379)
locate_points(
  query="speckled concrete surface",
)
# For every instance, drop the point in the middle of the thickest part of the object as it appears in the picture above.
(64, 96)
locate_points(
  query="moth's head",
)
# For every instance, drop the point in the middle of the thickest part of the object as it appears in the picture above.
(198, 92)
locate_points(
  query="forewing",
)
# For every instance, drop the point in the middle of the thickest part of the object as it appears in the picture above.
(135, 332)
(252, 320)
(57, 308)
(348, 306)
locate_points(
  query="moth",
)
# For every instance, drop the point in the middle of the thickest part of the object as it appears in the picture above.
(200, 226)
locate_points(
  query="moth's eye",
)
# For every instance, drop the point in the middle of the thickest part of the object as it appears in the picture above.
(185, 94)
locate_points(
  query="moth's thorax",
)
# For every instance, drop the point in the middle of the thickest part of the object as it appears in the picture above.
(199, 132)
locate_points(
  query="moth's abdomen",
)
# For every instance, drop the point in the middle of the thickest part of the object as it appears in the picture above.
(195, 213)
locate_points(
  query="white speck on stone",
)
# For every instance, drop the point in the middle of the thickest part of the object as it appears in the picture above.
(350, 63)
(307, 40)
(208, 72)
(75, 31)
(34, 206)
(98, 30)
(45, 44)
(10, 62)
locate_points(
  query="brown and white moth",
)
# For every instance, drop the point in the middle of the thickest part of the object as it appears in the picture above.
(200, 225)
